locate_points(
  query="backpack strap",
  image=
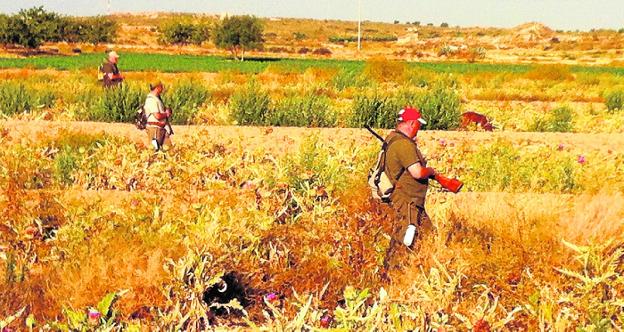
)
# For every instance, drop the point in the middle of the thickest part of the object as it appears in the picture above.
(385, 147)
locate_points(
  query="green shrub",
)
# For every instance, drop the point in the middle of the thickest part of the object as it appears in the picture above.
(185, 33)
(88, 30)
(250, 105)
(185, 99)
(349, 79)
(32, 27)
(614, 100)
(441, 108)
(309, 110)
(375, 110)
(118, 104)
(14, 99)
(557, 120)
(502, 167)
(65, 162)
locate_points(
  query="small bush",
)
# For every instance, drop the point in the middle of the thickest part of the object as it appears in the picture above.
(349, 78)
(250, 105)
(299, 36)
(185, 99)
(374, 110)
(550, 72)
(65, 163)
(441, 108)
(304, 50)
(309, 110)
(557, 120)
(444, 25)
(14, 99)
(322, 51)
(614, 100)
(383, 70)
(185, 33)
(117, 104)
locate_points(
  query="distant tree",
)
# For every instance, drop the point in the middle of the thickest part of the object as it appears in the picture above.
(444, 25)
(416, 23)
(621, 30)
(4, 33)
(396, 21)
(185, 33)
(32, 27)
(88, 30)
(238, 34)
(100, 30)
(429, 24)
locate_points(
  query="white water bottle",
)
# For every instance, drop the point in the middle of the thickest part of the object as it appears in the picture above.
(410, 233)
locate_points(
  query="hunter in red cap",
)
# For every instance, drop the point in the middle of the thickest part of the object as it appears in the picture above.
(407, 168)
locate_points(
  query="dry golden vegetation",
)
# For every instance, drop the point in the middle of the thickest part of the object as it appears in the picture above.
(253, 220)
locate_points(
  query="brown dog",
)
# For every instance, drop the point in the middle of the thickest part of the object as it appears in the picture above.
(479, 119)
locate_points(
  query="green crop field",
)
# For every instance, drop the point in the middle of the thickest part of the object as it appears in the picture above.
(195, 63)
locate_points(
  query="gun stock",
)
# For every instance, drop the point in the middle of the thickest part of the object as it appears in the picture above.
(452, 185)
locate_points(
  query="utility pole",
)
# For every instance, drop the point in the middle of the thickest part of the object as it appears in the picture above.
(359, 25)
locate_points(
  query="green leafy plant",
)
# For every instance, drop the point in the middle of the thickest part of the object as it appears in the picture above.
(15, 99)
(185, 99)
(250, 105)
(557, 120)
(118, 104)
(614, 99)
(309, 110)
(441, 108)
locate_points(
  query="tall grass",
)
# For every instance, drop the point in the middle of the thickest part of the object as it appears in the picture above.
(441, 108)
(117, 104)
(614, 99)
(250, 105)
(308, 110)
(17, 98)
(556, 120)
(185, 99)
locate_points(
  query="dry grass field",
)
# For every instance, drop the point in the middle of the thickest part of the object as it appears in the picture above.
(258, 216)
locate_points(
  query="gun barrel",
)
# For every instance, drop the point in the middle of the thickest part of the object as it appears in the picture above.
(374, 133)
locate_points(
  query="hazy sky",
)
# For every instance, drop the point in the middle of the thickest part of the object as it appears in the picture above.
(558, 14)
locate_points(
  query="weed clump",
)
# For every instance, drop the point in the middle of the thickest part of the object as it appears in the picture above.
(17, 98)
(117, 104)
(250, 105)
(614, 100)
(309, 110)
(550, 72)
(185, 99)
(557, 120)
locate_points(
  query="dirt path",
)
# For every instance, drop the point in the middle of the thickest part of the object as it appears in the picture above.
(288, 139)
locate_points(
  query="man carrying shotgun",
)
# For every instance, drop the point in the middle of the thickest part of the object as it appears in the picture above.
(406, 169)
(158, 124)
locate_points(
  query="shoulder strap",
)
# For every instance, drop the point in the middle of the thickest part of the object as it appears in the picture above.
(385, 147)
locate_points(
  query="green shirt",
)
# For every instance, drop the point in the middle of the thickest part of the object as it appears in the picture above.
(401, 154)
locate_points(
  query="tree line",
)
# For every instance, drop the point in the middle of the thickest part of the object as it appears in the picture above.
(32, 27)
(35, 26)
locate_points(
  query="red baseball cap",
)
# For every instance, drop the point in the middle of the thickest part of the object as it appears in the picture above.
(410, 114)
